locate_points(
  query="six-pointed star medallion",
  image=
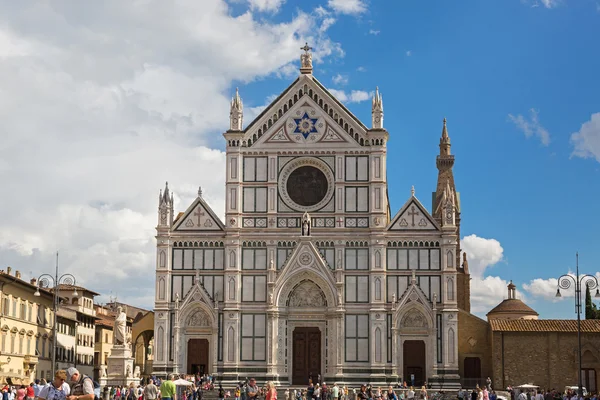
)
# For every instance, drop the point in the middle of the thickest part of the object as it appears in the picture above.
(305, 125)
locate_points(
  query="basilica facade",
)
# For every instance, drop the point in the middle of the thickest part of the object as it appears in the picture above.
(310, 273)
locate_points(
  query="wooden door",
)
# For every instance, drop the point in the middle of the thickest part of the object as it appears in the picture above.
(306, 355)
(197, 356)
(414, 362)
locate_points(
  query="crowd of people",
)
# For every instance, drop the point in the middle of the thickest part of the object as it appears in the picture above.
(71, 385)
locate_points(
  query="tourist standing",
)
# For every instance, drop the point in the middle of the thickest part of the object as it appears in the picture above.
(271, 391)
(150, 391)
(58, 389)
(82, 386)
(168, 391)
(252, 390)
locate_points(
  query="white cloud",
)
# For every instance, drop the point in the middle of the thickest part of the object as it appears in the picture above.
(543, 3)
(355, 96)
(531, 127)
(374, 32)
(321, 12)
(339, 79)
(546, 288)
(266, 5)
(348, 6)
(586, 141)
(105, 102)
(482, 254)
(408, 53)
(361, 69)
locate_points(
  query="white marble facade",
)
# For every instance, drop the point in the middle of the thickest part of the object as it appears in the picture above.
(309, 273)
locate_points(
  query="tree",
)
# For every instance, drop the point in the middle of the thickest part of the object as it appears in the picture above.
(591, 311)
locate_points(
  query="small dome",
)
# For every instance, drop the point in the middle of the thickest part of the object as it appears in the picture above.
(512, 306)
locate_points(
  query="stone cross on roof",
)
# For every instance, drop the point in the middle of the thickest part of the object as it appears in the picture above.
(306, 60)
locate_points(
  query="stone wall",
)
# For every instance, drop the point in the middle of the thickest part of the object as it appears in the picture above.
(474, 337)
(547, 359)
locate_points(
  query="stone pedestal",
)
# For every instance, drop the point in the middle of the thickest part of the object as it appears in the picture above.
(120, 370)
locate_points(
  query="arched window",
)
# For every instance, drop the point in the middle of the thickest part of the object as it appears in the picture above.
(161, 289)
(377, 259)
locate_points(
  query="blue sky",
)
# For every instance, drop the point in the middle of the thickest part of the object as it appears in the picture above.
(107, 102)
(477, 63)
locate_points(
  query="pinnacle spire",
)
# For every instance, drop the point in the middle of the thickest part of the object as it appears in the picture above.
(377, 110)
(165, 195)
(236, 112)
(445, 141)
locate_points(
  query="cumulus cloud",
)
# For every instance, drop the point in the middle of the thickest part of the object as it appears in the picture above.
(374, 32)
(354, 96)
(546, 288)
(107, 101)
(339, 79)
(483, 254)
(586, 142)
(531, 127)
(354, 7)
(266, 5)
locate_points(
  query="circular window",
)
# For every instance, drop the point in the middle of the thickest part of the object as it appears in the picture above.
(307, 186)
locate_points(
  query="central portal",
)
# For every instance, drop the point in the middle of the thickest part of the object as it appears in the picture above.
(307, 355)
(414, 362)
(197, 357)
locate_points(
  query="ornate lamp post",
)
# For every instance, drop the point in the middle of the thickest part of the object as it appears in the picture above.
(47, 281)
(564, 282)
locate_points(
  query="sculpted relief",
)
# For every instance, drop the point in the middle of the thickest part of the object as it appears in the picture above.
(413, 319)
(307, 294)
(198, 319)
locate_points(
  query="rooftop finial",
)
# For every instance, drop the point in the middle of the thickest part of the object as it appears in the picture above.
(377, 110)
(236, 112)
(412, 191)
(306, 60)
(199, 191)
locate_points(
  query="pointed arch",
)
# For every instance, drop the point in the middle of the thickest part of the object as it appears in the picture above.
(230, 344)
(232, 259)
(162, 259)
(449, 259)
(161, 288)
(378, 345)
(160, 339)
(377, 288)
(231, 288)
(377, 259)
(451, 351)
(450, 289)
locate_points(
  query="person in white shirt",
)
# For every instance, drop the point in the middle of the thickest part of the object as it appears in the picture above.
(58, 389)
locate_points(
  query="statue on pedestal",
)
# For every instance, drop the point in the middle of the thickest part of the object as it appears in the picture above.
(120, 328)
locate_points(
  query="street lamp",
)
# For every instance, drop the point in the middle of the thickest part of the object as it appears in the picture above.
(44, 282)
(564, 282)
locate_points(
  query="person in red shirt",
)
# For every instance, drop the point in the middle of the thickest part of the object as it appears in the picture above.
(30, 392)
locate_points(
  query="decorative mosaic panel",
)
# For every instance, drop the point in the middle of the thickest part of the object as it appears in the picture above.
(254, 222)
(288, 222)
(357, 222)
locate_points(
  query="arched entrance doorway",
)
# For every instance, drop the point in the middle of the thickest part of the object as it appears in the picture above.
(414, 362)
(305, 299)
(197, 356)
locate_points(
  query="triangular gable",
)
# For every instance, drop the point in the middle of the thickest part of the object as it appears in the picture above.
(197, 293)
(199, 217)
(413, 217)
(305, 256)
(279, 122)
(413, 293)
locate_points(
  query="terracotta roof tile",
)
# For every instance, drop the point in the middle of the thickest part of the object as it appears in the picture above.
(544, 325)
(513, 306)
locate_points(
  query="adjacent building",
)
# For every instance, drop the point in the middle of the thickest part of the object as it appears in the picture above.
(81, 301)
(66, 332)
(25, 329)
